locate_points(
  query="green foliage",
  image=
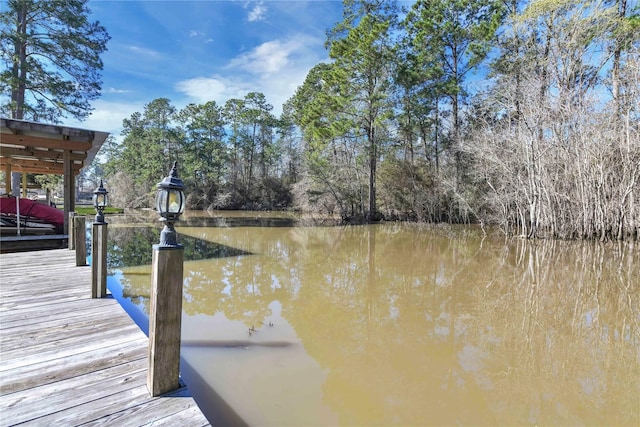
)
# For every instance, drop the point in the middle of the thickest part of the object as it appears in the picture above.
(451, 38)
(51, 50)
(347, 104)
(90, 210)
(48, 182)
(205, 157)
(251, 148)
(396, 124)
(237, 170)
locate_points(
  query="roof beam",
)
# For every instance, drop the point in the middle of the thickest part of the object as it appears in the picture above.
(38, 166)
(36, 141)
(19, 126)
(39, 154)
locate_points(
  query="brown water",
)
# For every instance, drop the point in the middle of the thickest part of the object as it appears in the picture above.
(401, 325)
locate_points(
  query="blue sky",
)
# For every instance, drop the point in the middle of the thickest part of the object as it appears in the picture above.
(198, 51)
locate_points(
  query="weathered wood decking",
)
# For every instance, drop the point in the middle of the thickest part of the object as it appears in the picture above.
(13, 243)
(67, 359)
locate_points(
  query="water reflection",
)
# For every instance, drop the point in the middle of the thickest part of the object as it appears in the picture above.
(129, 256)
(132, 246)
(398, 325)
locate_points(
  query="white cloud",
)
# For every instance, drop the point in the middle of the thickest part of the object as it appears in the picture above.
(274, 56)
(275, 68)
(257, 13)
(269, 57)
(215, 88)
(144, 52)
(107, 117)
(200, 35)
(114, 90)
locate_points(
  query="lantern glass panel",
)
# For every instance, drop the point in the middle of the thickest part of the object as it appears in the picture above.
(161, 200)
(100, 200)
(176, 201)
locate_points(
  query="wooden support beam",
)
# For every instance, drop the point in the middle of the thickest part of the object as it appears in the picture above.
(165, 319)
(19, 126)
(38, 166)
(99, 260)
(36, 141)
(7, 178)
(69, 189)
(31, 152)
(80, 233)
(72, 237)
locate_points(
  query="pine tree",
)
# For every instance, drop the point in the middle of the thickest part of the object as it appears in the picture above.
(52, 54)
(362, 49)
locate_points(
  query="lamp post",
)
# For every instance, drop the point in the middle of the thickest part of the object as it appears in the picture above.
(170, 205)
(99, 244)
(100, 201)
(165, 315)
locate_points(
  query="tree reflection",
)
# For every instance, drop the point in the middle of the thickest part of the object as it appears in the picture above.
(392, 347)
(130, 250)
(576, 345)
(436, 326)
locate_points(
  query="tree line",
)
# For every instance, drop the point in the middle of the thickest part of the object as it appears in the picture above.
(519, 114)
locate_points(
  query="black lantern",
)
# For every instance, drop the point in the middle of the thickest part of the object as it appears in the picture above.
(170, 203)
(100, 201)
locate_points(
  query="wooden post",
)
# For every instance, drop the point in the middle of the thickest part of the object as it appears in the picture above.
(72, 239)
(165, 319)
(69, 188)
(80, 234)
(24, 185)
(7, 178)
(99, 260)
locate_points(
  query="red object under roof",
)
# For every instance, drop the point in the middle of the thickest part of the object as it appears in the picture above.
(32, 209)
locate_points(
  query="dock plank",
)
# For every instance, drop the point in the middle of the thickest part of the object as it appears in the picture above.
(28, 404)
(127, 408)
(150, 410)
(59, 329)
(80, 363)
(67, 359)
(79, 316)
(67, 313)
(22, 356)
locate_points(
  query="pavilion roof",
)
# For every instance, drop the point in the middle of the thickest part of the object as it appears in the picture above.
(40, 148)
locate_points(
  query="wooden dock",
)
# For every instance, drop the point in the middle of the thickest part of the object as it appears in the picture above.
(13, 243)
(67, 359)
